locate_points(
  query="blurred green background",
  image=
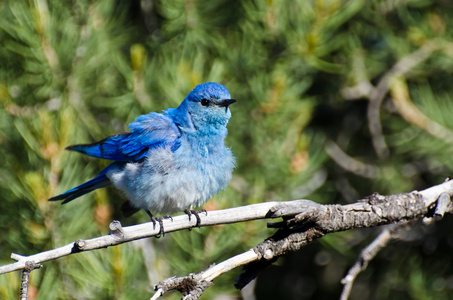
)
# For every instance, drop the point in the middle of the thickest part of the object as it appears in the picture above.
(303, 73)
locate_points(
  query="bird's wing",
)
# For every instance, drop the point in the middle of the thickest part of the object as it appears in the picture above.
(147, 132)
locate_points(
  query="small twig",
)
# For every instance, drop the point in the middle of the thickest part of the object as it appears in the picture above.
(361, 90)
(29, 266)
(195, 284)
(367, 255)
(16, 256)
(402, 100)
(442, 206)
(403, 66)
(159, 292)
(349, 163)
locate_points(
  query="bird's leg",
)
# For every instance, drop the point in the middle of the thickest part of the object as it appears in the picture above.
(158, 220)
(168, 217)
(196, 213)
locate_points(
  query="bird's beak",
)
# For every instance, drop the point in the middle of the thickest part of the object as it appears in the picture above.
(226, 102)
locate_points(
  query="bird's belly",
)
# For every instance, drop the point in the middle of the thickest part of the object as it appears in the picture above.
(167, 185)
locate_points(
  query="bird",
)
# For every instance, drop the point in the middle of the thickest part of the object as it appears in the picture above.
(168, 162)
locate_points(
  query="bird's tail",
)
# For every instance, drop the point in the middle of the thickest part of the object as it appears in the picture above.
(95, 183)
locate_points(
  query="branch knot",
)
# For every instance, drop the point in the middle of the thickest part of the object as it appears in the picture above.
(116, 230)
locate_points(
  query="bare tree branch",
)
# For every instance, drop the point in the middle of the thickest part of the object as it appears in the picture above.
(313, 223)
(367, 254)
(403, 66)
(377, 94)
(348, 163)
(410, 112)
(119, 234)
(303, 222)
(385, 237)
(29, 266)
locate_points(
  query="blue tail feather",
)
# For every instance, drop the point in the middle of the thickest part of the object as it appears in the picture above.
(95, 183)
(107, 148)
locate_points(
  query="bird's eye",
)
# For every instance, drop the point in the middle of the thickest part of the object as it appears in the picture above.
(204, 102)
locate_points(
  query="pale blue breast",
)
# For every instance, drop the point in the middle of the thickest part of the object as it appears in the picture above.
(168, 182)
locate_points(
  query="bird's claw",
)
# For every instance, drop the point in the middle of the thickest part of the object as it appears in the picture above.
(196, 213)
(160, 221)
(161, 226)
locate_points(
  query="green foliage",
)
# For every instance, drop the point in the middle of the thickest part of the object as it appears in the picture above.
(78, 71)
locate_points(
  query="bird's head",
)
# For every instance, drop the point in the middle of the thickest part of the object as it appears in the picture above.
(208, 105)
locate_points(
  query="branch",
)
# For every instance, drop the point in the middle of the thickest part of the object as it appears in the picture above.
(120, 235)
(367, 254)
(348, 163)
(313, 223)
(29, 266)
(303, 222)
(376, 94)
(403, 66)
(400, 95)
(385, 237)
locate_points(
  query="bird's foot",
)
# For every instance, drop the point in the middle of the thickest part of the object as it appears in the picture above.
(196, 213)
(160, 221)
(168, 217)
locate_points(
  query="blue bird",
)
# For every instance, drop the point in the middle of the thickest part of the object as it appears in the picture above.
(168, 162)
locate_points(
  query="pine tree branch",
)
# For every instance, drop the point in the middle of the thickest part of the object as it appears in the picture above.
(303, 222)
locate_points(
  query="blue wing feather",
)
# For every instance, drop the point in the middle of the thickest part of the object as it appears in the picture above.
(147, 132)
(95, 183)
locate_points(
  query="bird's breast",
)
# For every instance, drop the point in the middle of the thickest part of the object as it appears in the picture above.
(169, 181)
